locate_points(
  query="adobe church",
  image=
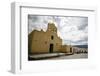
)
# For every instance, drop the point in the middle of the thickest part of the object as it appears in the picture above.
(46, 42)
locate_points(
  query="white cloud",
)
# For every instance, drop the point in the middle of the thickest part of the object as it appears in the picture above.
(73, 30)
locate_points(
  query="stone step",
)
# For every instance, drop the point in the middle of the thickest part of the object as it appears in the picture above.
(44, 56)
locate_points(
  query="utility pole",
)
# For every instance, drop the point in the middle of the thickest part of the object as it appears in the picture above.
(70, 46)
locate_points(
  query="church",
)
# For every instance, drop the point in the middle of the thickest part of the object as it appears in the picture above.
(40, 42)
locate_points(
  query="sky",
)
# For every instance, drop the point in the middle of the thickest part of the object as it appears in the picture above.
(73, 30)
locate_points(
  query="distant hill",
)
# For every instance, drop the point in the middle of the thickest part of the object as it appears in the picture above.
(81, 46)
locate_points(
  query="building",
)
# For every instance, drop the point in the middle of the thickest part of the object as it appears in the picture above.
(80, 50)
(46, 42)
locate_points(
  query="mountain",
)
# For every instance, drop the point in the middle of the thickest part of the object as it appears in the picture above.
(81, 46)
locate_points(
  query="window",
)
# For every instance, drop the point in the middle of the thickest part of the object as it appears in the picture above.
(35, 40)
(52, 37)
(70, 49)
(45, 42)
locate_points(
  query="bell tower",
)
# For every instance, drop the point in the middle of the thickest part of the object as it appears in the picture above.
(52, 27)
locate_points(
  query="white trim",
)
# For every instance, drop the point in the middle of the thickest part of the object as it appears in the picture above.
(15, 38)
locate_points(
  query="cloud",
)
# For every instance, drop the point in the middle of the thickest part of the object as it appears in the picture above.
(73, 30)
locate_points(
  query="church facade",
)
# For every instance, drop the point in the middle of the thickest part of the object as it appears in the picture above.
(46, 42)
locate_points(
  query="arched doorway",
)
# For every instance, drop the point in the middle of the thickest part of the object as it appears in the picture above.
(51, 48)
